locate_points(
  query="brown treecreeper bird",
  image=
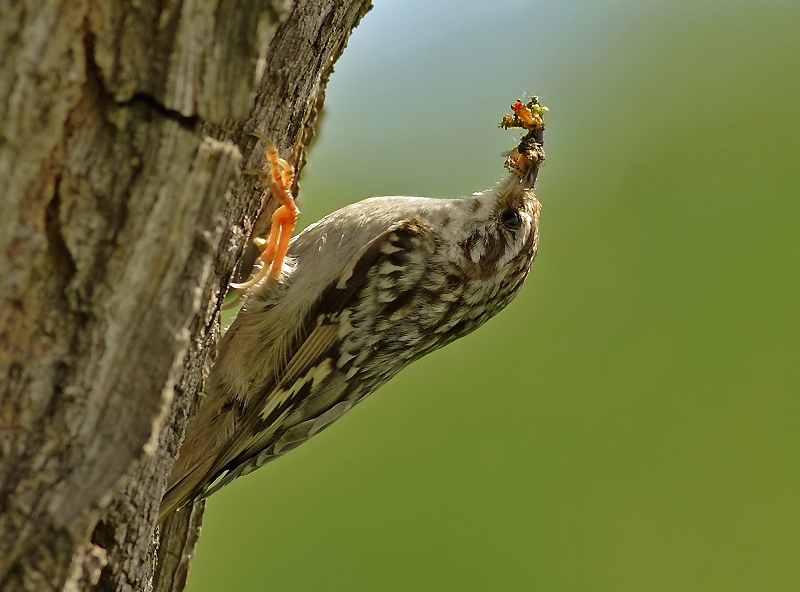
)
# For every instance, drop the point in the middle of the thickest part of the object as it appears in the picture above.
(360, 294)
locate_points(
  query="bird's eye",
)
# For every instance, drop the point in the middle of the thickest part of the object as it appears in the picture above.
(511, 219)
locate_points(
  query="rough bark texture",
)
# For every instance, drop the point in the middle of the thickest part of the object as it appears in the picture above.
(122, 130)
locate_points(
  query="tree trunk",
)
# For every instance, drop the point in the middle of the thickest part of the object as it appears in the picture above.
(122, 129)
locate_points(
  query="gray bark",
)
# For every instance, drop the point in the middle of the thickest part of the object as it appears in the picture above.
(122, 130)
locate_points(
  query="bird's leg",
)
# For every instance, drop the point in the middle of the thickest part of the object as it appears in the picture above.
(279, 179)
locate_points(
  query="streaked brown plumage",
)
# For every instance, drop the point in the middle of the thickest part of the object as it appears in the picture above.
(364, 292)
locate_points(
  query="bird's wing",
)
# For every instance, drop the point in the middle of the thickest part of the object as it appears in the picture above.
(310, 362)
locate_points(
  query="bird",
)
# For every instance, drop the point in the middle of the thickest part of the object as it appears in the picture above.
(355, 298)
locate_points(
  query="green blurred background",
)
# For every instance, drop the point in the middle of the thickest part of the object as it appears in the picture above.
(630, 421)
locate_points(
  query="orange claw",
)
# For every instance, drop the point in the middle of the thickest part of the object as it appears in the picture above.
(273, 250)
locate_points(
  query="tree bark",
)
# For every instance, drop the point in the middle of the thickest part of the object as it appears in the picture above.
(122, 130)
